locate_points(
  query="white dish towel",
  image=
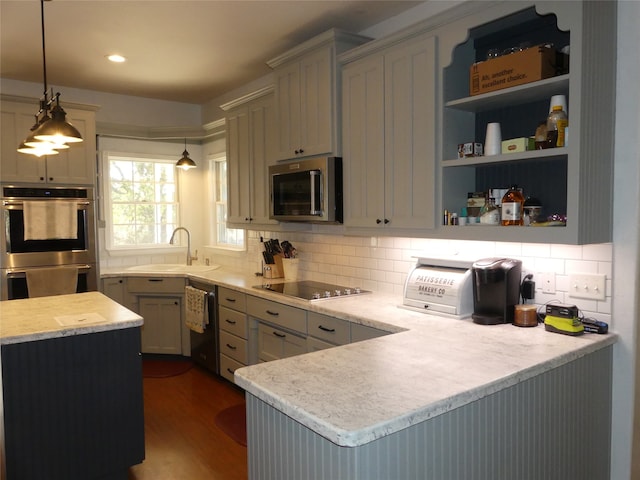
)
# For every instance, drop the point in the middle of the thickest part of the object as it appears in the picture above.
(197, 314)
(50, 219)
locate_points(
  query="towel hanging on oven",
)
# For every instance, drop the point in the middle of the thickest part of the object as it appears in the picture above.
(50, 219)
(197, 315)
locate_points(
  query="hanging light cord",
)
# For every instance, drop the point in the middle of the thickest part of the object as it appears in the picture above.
(44, 58)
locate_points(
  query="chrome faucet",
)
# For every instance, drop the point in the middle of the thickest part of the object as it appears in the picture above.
(171, 240)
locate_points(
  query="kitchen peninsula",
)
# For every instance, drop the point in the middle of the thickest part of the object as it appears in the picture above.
(436, 398)
(72, 388)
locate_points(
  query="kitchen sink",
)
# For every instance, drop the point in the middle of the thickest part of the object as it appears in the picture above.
(172, 268)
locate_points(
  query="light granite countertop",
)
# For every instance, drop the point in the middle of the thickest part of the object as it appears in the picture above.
(42, 318)
(357, 393)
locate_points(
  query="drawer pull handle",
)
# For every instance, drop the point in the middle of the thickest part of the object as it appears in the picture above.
(154, 279)
(280, 335)
(232, 322)
(275, 314)
(325, 329)
(230, 371)
(232, 300)
(232, 347)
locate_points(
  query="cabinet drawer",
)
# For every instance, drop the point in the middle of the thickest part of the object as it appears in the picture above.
(329, 329)
(277, 313)
(228, 366)
(274, 344)
(363, 332)
(232, 299)
(234, 347)
(233, 321)
(314, 344)
(155, 285)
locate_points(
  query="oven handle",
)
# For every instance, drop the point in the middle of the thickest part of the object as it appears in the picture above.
(13, 203)
(18, 203)
(21, 273)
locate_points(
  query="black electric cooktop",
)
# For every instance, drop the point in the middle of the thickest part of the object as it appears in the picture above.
(310, 290)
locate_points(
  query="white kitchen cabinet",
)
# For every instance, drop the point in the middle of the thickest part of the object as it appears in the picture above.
(306, 96)
(113, 287)
(159, 301)
(250, 125)
(276, 343)
(389, 137)
(162, 329)
(361, 332)
(282, 329)
(73, 166)
(238, 339)
(326, 332)
(576, 180)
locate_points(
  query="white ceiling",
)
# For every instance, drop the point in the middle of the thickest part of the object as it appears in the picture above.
(180, 50)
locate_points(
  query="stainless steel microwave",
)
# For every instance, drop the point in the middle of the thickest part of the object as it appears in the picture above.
(307, 190)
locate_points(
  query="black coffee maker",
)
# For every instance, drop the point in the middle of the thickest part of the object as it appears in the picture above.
(496, 290)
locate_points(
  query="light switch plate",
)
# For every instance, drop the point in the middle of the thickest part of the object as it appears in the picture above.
(587, 285)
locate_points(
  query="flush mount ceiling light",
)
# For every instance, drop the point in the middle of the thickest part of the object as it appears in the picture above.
(115, 58)
(185, 162)
(50, 133)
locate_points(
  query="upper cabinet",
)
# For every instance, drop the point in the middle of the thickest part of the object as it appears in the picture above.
(575, 180)
(389, 129)
(307, 96)
(74, 166)
(249, 152)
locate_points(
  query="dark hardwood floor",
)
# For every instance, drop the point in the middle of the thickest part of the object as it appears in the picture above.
(181, 437)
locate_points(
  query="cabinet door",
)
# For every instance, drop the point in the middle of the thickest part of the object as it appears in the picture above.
(363, 142)
(410, 78)
(114, 289)
(274, 343)
(317, 103)
(162, 329)
(261, 124)
(238, 167)
(76, 165)
(17, 120)
(287, 79)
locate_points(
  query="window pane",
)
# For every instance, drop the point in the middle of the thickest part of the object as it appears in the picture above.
(144, 201)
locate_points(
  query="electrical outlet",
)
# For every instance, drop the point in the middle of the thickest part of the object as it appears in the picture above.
(548, 281)
(587, 285)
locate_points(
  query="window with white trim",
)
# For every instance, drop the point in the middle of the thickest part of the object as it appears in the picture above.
(233, 238)
(141, 197)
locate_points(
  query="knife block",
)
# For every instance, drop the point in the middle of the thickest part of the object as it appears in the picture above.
(274, 270)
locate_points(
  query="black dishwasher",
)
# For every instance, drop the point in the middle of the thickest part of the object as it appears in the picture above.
(205, 348)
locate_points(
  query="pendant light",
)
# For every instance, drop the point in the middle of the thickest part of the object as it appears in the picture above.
(50, 133)
(185, 162)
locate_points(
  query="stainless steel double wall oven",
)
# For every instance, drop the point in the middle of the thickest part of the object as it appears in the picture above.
(19, 254)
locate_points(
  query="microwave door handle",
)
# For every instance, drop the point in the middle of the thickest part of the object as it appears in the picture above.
(312, 179)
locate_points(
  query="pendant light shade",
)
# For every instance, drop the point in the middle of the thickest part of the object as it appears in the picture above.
(185, 162)
(57, 130)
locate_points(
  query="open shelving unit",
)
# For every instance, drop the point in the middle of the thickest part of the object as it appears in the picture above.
(571, 181)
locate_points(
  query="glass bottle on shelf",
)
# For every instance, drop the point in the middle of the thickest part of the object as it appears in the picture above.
(490, 213)
(557, 122)
(512, 207)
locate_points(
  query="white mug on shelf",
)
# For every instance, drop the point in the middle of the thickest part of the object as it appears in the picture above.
(493, 139)
(559, 100)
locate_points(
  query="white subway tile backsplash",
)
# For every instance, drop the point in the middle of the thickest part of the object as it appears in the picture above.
(383, 263)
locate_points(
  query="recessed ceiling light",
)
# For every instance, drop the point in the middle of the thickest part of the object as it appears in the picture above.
(116, 58)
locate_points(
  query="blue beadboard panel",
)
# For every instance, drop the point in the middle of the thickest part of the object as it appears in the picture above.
(555, 426)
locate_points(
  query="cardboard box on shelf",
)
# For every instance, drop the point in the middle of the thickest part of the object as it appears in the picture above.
(529, 65)
(521, 144)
